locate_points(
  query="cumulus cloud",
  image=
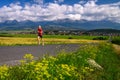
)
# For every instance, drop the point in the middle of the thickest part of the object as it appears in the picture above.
(58, 1)
(53, 11)
(39, 1)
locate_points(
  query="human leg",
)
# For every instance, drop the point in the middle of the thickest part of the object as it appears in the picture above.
(38, 40)
(42, 41)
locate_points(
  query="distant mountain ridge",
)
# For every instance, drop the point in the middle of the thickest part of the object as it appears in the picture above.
(64, 24)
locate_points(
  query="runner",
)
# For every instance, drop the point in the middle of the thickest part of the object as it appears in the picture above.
(40, 35)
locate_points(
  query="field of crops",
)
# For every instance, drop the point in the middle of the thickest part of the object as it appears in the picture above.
(31, 39)
(90, 62)
(10, 41)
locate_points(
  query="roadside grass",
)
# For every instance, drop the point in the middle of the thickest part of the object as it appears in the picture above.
(90, 62)
(117, 48)
(11, 41)
(116, 40)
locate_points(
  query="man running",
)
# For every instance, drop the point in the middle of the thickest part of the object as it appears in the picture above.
(40, 35)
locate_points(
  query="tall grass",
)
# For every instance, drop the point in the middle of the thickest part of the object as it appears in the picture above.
(53, 36)
(90, 62)
(116, 40)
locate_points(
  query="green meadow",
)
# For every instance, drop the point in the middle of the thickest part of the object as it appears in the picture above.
(52, 36)
(31, 39)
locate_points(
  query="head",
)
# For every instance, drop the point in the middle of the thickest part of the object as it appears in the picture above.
(39, 26)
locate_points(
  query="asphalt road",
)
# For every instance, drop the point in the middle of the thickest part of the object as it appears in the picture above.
(12, 54)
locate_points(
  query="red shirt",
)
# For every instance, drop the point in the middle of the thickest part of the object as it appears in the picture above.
(40, 31)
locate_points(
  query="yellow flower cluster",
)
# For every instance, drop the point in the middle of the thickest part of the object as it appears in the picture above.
(41, 71)
(29, 56)
(3, 72)
(67, 69)
(87, 69)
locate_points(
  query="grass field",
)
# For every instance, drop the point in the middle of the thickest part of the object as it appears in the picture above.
(50, 36)
(31, 39)
(11, 41)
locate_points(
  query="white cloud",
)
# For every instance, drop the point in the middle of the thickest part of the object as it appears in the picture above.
(82, 2)
(39, 1)
(78, 9)
(74, 16)
(53, 11)
(58, 1)
(90, 4)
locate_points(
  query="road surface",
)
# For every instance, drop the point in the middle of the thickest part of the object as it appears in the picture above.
(12, 54)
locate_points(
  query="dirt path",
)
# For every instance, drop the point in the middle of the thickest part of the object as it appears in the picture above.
(12, 54)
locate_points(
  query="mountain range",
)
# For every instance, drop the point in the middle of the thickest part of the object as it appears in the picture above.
(65, 24)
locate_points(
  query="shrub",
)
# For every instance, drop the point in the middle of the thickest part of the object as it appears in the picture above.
(116, 40)
(5, 35)
(99, 38)
(70, 37)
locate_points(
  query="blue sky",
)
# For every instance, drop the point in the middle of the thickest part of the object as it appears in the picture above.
(70, 2)
(47, 10)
